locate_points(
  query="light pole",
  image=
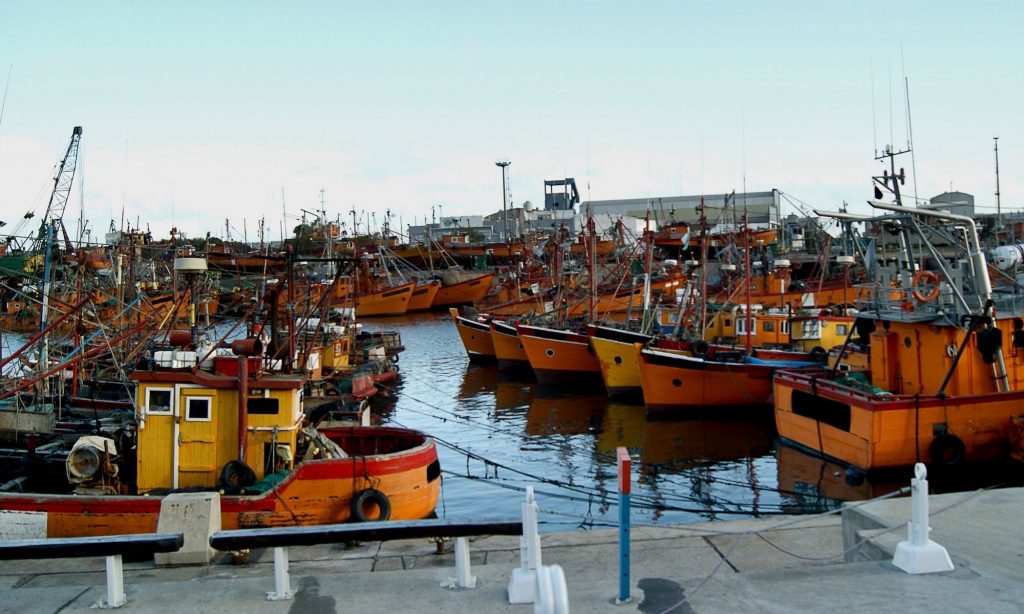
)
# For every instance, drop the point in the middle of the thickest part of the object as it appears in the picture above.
(504, 193)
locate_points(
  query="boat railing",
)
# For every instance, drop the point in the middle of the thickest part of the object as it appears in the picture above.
(823, 380)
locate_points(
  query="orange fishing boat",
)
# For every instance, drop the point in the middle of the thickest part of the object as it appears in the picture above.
(424, 294)
(508, 349)
(224, 424)
(465, 292)
(476, 337)
(465, 251)
(917, 401)
(391, 301)
(559, 357)
(674, 380)
(228, 259)
(623, 300)
(940, 386)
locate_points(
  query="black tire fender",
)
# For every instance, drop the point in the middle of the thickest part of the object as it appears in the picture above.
(364, 502)
(236, 475)
(947, 450)
(699, 348)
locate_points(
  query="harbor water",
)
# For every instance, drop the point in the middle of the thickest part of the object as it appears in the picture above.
(498, 434)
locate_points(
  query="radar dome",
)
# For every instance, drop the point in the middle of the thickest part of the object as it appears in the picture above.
(528, 206)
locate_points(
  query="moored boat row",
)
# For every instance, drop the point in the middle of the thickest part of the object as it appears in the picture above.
(909, 367)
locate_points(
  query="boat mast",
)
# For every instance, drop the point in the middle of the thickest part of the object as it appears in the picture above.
(592, 262)
(703, 270)
(648, 263)
(430, 241)
(746, 276)
(999, 207)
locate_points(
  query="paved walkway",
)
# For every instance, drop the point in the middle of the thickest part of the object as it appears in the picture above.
(782, 565)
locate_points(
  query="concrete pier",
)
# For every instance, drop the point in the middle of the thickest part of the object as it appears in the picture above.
(838, 563)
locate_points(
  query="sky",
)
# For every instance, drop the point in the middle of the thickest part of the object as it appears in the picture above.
(213, 116)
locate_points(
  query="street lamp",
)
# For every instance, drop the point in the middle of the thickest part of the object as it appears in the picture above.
(504, 193)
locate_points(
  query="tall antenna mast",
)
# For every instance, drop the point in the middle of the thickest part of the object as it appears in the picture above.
(910, 138)
(504, 194)
(999, 208)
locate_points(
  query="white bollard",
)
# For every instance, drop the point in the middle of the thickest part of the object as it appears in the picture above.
(918, 554)
(552, 592)
(282, 584)
(464, 577)
(522, 587)
(115, 583)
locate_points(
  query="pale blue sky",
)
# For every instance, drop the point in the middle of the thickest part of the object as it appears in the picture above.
(215, 107)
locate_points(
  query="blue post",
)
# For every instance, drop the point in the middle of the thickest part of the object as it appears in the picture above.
(625, 464)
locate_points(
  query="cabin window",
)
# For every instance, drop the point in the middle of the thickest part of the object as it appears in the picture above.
(768, 327)
(841, 330)
(826, 411)
(198, 409)
(263, 406)
(158, 401)
(785, 328)
(741, 326)
(810, 329)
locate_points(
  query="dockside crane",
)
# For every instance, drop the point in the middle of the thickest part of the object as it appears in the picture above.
(62, 190)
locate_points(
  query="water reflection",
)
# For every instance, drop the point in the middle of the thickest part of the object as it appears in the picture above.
(687, 442)
(477, 380)
(565, 414)
(813, 484)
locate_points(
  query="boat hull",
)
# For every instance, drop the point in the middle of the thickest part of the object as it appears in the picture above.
(389, 302)
(873, 431)
(672, 381)
(560, 358)
(508, 349)
(423, 295)
(475, 336)
(316, 492)
(617, 358)
(465, 292)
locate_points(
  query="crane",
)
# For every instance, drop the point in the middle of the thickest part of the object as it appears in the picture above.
(62, 190)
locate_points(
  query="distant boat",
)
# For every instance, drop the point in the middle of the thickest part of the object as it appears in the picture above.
(389, 301)
(424, 294)
(465, 292)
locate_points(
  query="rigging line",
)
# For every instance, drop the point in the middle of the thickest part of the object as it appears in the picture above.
(722, 505)
(891, 129)
(910, 138)
(472, 455)
(874, 121)
(608, 498)
(597, 456)
(3, 103)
